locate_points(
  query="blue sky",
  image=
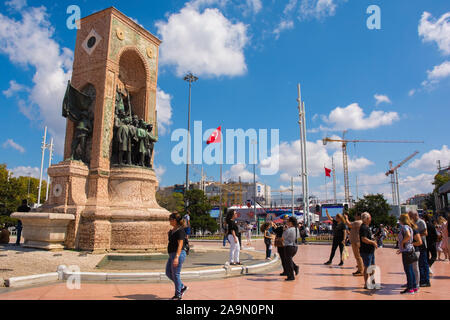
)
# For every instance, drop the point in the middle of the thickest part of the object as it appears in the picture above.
(249, 56)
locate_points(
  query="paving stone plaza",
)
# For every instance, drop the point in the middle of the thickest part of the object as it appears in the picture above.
(315, 282)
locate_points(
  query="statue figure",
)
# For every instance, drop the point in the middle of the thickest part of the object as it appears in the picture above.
(120, 107)
(76, 107)
(135, 140)
(118, 118)
(141, 134)
(124, 140)
(82, 131)
(150, 142)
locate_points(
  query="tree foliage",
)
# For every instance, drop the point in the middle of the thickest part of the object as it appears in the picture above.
(199, 206)
(173, 202)
(196, 203)
(377, 206)
(14, 190)
(440, 180)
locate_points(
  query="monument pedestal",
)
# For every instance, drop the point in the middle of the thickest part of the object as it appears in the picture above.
(44, 230)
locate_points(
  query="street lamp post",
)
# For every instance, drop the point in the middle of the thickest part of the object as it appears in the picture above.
(254, 143)
(190, 78)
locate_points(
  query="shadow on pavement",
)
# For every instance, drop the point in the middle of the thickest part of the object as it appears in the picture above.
(329, 274)
(386, 290)
(440, 277)
(141, 297)
(262, 275)
(400, 273)
(337, 288)
(267, 280)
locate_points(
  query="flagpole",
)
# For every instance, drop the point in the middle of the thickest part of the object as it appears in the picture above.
(220, 185)
(44, 146)
(326, 191)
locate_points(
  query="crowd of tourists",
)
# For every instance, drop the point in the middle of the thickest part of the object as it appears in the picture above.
(420, 242)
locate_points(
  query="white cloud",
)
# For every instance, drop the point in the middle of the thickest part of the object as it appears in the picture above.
(290, 6)
(205, 43)
(159, 171)
(254, 5)
(287, 154)
(283, 25)
(428, 162)
(353, 117)
(412, 185)
(16, 4)
(14, 145)
(14, 88)
(411, 92)
(29, 42)
(318, 9)
(381, 99)
(164, 110)
(436, 30)
(239, 170)
(438, 73)
(26, 172)
(199, 4)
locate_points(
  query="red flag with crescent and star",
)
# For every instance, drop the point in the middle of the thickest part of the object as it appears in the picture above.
(215, 137)
(327, 172)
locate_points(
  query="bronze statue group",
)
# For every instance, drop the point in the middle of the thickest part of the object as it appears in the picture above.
(133, 137)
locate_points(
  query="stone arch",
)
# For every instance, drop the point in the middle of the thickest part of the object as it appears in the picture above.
(134, 75)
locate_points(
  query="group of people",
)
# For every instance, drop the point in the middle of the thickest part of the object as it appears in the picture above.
(418, 240)
(285, 238)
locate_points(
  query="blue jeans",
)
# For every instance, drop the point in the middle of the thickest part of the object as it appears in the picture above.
(423, 266)
(225, 239)
(368, 259)
(409, 271)
(173, 273)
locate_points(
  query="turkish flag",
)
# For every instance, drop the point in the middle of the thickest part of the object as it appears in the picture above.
(215, 137)
(327, 172)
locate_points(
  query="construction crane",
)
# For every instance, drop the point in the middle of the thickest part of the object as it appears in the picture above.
(394, 180)
(345, 157)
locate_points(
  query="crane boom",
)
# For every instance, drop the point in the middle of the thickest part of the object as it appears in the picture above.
(392, 170)
(325, 140)
(345, 158)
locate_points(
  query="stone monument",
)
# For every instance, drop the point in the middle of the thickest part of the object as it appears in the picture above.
(104, 190)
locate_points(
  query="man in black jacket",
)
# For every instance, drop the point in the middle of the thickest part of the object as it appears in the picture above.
(431, 240)
(23, 208)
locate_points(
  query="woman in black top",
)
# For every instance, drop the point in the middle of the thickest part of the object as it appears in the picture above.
(232, 234)
(177, 254)
(338, 236)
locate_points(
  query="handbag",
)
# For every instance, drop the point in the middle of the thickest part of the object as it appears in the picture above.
(279, 242)
(345, 254)
(410, 257)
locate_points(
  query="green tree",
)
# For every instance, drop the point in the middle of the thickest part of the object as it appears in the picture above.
(199, 207)
(377, 206)
(14, 190)
(173, 202)
(439, 181)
